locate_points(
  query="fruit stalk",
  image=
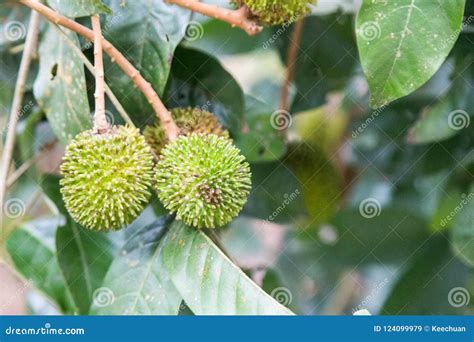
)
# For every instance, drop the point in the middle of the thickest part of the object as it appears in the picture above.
(101, 125)
(172, 131)
(239, 17)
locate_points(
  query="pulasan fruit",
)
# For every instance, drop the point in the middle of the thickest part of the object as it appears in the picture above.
(189, 120)
(276, 12)
(107, 177)
(204, 179)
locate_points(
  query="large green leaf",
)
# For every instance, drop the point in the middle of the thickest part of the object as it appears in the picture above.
(60, 87)
(137, 282)
(33, 251)
(147, 33)
(199, 80)
(84, 257)
(79, 8)
(403, 43)
(208, 281)
(435, 283)
(463, 228)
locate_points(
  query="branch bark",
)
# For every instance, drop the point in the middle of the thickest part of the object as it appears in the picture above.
(101, 124)
(29, 50)
(169, 126)
(239, 18)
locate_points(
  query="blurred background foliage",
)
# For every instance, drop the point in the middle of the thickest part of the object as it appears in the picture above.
(302, 229)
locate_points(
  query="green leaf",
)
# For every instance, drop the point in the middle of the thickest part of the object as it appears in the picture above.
(81, 8)
(208, 281)
(430, 282)
(60, 87)
(137, 282)
(463, 228)
(33, 251)
(147, 33)
(199, 80)
(84, 257)
(403, 43)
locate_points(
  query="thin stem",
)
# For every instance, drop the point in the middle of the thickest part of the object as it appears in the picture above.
(169, 126)
(100, 119)
(291, 57)
(29, 50)
(239, 18)
(90, 67)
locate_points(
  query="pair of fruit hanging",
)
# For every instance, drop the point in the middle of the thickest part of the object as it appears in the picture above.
(201, 176)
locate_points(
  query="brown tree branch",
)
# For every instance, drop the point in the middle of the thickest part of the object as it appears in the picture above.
(239, 18)
(100, 120)
(169, 126)
(29, 50)
(291, 57)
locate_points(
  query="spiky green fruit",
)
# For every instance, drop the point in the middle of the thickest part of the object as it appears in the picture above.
(203, 179)
(276, 12)
(189, 120)
(107, 177)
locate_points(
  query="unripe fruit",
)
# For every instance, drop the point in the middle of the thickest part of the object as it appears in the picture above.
(107, 177)
(276, 12)
(189, 120)
(203, 179)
